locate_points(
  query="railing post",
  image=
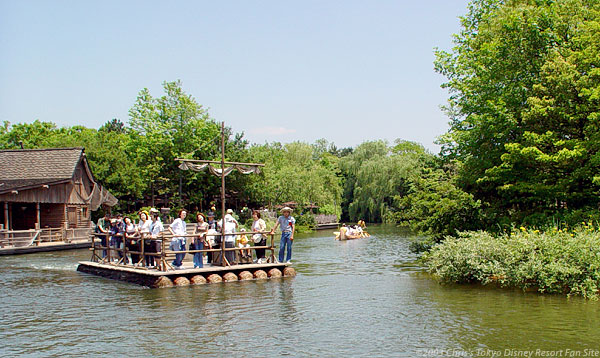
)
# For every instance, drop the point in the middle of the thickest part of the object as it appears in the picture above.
(93, 248)
(108, 248)
(125, 259)
(142, 245)
(163, 254)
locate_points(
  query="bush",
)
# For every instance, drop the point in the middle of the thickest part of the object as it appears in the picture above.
(305, 222)
(553, 261)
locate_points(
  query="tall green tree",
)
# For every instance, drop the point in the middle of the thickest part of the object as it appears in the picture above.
(523, 105)
(169, 127)
(377, 174)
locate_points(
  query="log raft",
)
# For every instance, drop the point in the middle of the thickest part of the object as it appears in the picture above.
(164, 275)
(155, 278)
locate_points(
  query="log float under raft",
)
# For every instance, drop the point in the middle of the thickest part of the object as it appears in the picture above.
(185, 277)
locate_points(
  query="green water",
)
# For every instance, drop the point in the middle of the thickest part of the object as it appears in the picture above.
(359, 298)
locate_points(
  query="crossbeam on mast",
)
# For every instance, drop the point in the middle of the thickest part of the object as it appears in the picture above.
(218, 162)
(222, 174)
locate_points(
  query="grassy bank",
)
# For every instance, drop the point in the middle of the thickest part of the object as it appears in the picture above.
(551, 261)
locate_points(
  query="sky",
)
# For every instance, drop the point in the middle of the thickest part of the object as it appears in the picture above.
(279, 71)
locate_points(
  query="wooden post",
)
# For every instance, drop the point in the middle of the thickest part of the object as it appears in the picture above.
(222, 163)
(142, 244)
(6, 221)
(223, 259)
(163, 256)
(65, 232)
(108, 248)
(39, 239)
(125, 259)
(38, 215)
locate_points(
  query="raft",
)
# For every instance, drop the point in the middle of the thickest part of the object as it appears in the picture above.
(187, 276)
(351, 237)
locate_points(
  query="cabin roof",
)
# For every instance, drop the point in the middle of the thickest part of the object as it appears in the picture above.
(26, 169)
(6, 185)
(39, 165)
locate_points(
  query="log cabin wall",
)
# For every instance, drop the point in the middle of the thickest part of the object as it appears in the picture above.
(57, 180)
(54, 194)
(52, 215)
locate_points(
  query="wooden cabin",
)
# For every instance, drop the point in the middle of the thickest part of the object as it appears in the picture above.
(48, 188)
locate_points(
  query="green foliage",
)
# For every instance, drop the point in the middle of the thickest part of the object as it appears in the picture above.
(435, 206)
(295, 172)
(305, 221)
(330, 209)
(554, 261)
(33, 135)
(524, 106)
(169, 127)
(376, 174)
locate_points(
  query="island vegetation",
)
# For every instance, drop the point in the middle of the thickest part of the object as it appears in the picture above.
(512, 197)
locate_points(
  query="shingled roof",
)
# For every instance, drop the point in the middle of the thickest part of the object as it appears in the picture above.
(26, 168)
(50, 164)
(31, 168)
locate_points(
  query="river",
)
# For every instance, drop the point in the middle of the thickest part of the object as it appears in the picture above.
(360, 298)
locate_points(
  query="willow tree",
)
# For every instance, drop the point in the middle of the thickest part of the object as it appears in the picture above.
(523, 81)
(296, 172)
(376, 174)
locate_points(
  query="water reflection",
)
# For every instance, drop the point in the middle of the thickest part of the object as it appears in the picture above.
(357, 298)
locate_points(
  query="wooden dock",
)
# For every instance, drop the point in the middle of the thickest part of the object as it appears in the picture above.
(327, 226)
(155, 278)
(45, 247)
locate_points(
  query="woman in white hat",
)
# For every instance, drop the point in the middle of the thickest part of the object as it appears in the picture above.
(287, 224)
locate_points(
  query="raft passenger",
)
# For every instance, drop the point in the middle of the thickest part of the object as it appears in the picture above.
(259, 225)
(287, 223)
(201, 229)
(156, 227)
(178, 227)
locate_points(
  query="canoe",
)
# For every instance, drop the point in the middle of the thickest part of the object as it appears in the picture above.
(350, 237)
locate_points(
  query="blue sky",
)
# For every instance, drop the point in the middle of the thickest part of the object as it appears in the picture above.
(347, 71)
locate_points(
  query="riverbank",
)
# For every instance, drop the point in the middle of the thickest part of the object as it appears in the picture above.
(553, 261)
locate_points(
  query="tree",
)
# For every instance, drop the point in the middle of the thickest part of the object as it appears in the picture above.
(436, 207)
(30, 135)
(376, 174)
(523, 105)
(169, 127)
(295, 172)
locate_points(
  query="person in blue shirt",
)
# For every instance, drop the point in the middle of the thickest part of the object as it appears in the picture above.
(287, 223)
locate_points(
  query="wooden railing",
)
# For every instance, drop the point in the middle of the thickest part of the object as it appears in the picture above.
(18, 238)
(108, 253)
(35, 237)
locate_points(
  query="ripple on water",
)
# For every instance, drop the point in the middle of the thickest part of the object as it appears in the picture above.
(356, 298)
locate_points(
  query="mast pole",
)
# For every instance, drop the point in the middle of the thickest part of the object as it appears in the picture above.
(223, 194)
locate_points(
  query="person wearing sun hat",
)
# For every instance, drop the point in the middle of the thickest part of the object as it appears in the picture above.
(210, 219)
(231, 224)
(287, 223)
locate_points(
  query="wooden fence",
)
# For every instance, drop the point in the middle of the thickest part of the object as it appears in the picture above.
(104, 251)
(35, 237)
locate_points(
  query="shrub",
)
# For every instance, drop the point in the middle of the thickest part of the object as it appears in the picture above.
(305, 222)
(553, 261)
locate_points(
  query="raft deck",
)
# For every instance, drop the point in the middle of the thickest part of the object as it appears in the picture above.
(165, 274)
(151, 277)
